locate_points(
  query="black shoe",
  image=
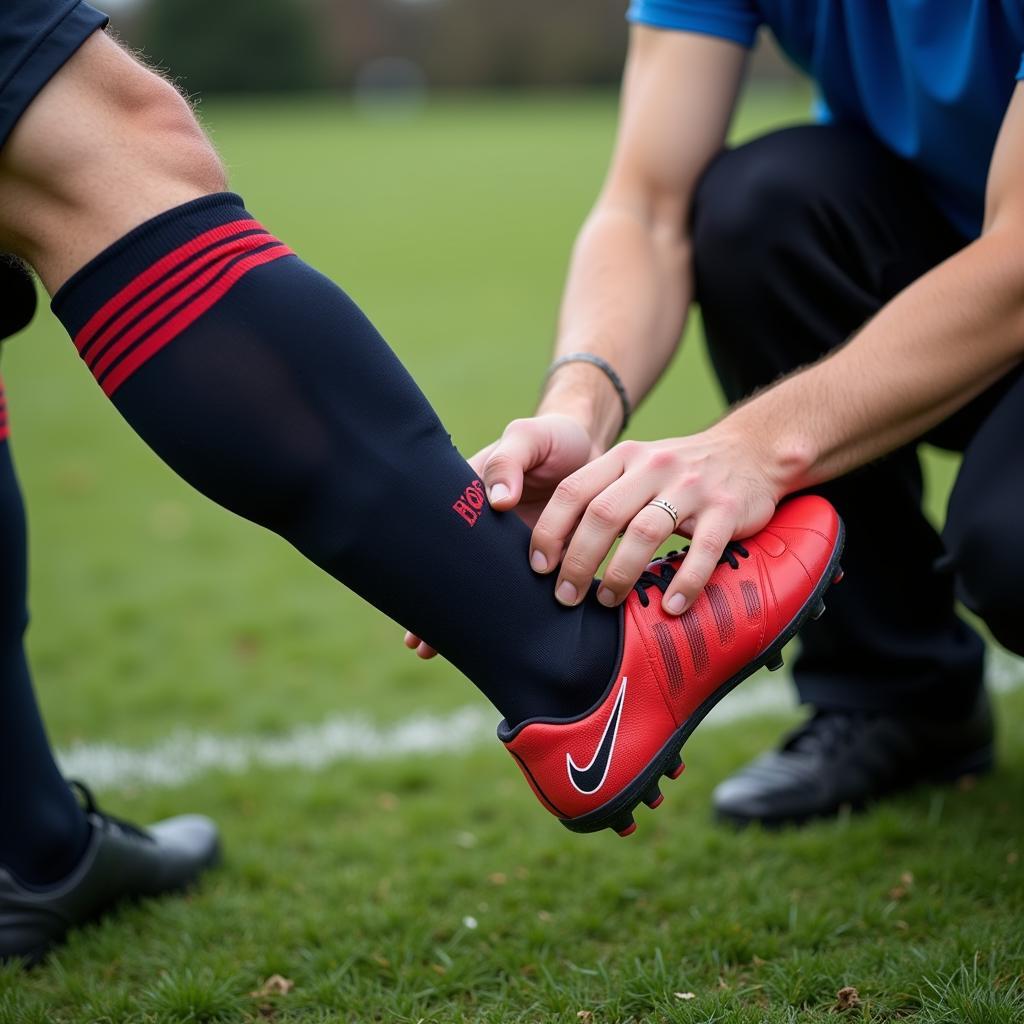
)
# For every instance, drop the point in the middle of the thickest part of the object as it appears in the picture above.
(121, 862)
(841, 759)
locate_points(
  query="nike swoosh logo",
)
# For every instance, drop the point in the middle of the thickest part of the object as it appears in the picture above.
(590, 778)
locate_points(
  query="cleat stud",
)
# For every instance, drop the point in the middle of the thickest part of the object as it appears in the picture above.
(839, 575)
(774, 663)
(675, 769)
(624, 824)
(653, 796)
(818, 611)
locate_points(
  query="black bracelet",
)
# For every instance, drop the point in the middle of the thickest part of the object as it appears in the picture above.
(601, 364)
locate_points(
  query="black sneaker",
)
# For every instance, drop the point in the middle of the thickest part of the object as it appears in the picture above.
(841, 759)
(121, 862)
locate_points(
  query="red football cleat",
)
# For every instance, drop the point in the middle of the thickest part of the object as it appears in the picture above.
(592, 771)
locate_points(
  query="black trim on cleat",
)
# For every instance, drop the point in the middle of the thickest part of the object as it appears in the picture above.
(617, 813)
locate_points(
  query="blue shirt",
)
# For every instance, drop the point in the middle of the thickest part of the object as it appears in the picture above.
(930, 79)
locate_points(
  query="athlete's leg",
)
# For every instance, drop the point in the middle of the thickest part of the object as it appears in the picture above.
(44, 832)
(800, 237)
(260, 382)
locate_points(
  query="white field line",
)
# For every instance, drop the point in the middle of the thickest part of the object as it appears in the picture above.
(184, 756)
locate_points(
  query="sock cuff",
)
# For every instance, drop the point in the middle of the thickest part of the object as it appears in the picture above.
(139, 294)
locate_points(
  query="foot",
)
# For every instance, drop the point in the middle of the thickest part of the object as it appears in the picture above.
(843, 759)
(592, 771)
(121, 862)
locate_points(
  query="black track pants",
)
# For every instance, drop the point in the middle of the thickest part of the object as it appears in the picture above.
(800, 237)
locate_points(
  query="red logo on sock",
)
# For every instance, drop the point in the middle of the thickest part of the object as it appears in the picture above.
(471, 502)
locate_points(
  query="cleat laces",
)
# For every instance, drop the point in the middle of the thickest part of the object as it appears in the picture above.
(666, 571)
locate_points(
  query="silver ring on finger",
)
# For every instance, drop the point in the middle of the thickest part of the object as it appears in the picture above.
(667, 506)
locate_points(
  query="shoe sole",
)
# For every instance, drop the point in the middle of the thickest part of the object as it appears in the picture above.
(617, 813)
(35, 955)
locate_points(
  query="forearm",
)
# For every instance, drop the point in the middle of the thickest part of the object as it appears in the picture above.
(626, 299)
(629, 281)
(933, 348)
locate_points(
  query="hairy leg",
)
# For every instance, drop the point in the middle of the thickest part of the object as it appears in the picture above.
(105, 146)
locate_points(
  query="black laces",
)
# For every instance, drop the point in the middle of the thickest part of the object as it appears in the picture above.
(89, 806)
(666, 571)
(827, 732)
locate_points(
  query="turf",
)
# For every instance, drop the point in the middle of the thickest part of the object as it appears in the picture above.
(434, 889)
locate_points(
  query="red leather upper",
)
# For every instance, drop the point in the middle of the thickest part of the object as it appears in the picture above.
(671, 665)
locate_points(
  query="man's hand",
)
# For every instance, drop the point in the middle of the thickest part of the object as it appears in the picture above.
(715, 479)
(531, 458)
(522, 469)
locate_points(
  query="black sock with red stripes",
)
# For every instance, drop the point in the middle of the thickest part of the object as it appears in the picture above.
(43, 831)
(262, 384)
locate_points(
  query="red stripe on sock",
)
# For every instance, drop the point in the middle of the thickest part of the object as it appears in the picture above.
(5, 430)
(101, 358)
(100, 342)
(184, 317)
(166, 263)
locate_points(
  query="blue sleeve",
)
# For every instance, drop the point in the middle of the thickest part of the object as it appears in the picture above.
(1020, 70)
(736, 20)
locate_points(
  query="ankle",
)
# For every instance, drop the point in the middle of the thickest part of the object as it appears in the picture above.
(46, 853)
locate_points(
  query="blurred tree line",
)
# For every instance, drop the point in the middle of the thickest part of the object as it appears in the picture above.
(272, 45)
(275, 45)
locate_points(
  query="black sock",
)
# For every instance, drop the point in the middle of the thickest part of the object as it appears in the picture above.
(279, 400)
(43, 831)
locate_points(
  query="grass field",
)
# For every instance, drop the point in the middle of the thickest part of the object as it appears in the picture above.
(431, 887)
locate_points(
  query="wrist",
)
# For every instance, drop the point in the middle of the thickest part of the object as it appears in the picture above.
(786, 458)
(584, 393)
(790, 463)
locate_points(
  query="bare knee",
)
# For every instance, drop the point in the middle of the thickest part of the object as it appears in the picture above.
(106, 145)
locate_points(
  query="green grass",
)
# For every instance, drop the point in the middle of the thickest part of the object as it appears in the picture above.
(155, 611)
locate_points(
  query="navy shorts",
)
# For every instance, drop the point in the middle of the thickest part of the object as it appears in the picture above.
(36, 39)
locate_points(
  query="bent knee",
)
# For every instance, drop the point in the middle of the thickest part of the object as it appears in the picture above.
(748, 199)
(775, 195)
(988, 569)
(159, 126)
(104, 115)
(106, 145)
